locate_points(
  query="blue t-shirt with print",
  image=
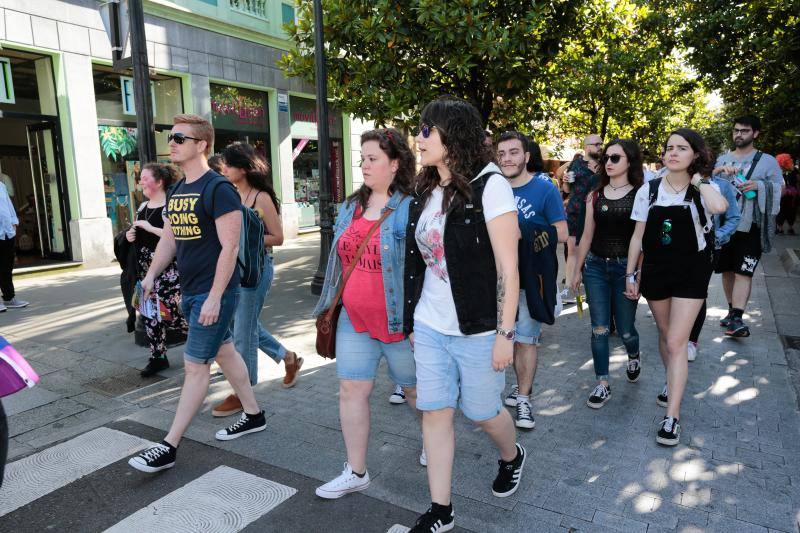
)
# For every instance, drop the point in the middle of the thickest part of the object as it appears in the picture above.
(193, 224)
(538, 204)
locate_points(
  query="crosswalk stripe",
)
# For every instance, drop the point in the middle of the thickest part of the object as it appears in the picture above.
(224, 500)
(39, 474)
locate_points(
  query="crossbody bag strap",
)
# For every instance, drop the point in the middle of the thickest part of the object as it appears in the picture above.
(352, 266)
(753, 165)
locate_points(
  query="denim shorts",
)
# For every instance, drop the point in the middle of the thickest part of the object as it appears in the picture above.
(456, 371)
(203, 342)
(528, 328)
(358, 355)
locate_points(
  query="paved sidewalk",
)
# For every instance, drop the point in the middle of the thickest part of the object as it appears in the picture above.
(737, 468)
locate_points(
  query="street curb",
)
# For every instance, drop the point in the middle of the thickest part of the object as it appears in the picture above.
(791, 261)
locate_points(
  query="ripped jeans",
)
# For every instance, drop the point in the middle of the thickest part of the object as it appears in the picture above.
(604, 280)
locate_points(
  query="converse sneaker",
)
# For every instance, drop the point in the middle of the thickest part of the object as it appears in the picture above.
(724, 321)
(567, 296)
(511, 399)
(736, 328)
(661, 399)
(345, 483)
(434, 522)
(634, 368)
(154, 366)
(600, 395)
(507, 480)
(155, 458)
(525, 416)
(15, 303)
(691, 350)
(670, 432)
(398, 397)
(246, 424)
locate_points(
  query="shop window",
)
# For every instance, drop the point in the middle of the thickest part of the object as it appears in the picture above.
(26, 83)
(240, 115)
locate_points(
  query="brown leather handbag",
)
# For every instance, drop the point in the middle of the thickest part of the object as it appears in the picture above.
(326, 322)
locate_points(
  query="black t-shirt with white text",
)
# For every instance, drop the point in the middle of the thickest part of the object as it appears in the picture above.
(193, 225)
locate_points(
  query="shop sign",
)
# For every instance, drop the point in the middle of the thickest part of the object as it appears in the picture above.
(304, 118)
(6, 82)
(283, 102)
(128, 100)
(235, 108)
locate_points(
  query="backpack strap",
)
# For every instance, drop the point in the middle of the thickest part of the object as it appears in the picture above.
(216, 181)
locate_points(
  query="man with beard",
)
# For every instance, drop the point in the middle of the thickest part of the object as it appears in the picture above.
(758, 179)
(580, 179)
(539, 210)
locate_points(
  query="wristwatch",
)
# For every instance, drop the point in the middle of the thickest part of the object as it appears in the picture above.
(508, 334)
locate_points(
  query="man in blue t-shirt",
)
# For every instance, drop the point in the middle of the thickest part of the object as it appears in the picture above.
(539, 206)
(202, 226)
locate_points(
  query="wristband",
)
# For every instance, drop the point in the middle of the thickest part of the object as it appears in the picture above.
(632, 278)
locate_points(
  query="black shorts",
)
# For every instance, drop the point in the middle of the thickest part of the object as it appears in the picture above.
(742, 253)
(687, 278)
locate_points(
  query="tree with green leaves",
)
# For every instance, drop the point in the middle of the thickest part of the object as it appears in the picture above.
(387, 58)
(750, 52)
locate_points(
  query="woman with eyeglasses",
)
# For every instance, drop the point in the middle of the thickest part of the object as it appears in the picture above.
(373, 221)
(250, 173)
(461, 292)
(604, 248)
(674, 232)
(156, 179)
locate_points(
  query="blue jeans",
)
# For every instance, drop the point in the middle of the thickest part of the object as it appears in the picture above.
(604, 280)
(248, 333)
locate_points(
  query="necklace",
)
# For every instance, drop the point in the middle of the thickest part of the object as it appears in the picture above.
(617, 188)
(671, 186)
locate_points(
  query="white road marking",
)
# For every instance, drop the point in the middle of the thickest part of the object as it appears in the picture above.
(221, 501)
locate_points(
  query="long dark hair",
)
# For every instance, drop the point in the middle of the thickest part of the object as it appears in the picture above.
(257, 171)
(395, 146)
(704, 163)
(461, 131)
(635, 161)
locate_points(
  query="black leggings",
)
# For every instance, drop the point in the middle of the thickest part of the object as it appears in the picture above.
(698, 324)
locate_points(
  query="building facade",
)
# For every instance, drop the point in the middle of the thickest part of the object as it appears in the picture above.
(68, 120)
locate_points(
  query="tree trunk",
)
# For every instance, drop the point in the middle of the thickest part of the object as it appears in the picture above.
(604, 127)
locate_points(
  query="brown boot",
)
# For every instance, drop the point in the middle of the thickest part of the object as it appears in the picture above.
(229, 406)
(292, 369)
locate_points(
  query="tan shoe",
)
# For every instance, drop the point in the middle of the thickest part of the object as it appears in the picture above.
(229, 406)
(290, 379)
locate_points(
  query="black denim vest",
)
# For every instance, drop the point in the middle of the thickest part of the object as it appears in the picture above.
(470, 264)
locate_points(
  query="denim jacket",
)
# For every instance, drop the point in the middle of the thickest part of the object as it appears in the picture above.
(393, 243)
(725, 224)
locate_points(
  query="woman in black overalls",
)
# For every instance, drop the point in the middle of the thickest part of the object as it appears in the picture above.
(673, 220)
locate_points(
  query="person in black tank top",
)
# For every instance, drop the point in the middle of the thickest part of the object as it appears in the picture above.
(604, 248)
(250, 173)
(672, 226)
(155, 179)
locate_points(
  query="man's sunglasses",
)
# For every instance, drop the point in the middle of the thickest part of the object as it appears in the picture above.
(425, 130)
(180, 138)
(614, 158)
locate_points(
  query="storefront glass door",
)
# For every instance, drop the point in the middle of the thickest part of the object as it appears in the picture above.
(45, 200)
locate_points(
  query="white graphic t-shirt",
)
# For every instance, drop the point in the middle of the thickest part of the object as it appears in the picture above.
(436, 308)
(667, 198)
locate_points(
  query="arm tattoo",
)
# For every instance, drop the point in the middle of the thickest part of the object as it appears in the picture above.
(501, 297)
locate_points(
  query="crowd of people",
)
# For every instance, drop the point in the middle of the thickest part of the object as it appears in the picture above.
(449, 273)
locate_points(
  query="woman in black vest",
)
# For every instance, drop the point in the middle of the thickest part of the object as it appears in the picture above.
(674, 231)
(156, 179)
(461, 290)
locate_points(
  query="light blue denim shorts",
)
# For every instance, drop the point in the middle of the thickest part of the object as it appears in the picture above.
(203, 342)
(456, 371)
(528, 329)
(358, 355)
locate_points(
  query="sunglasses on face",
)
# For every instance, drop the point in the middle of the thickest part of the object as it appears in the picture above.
(180, 138)
(666, 228)
(614, 158)
(425, 130)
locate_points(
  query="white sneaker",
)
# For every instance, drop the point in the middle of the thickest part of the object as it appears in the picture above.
(692, 350)
(423, 457)
(398, 396)
(345, 483)
(15, 303)
(567, 297)
(3, 308)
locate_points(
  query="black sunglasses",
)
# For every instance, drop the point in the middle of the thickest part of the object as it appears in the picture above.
(425, 130)
(180, 138)
(614, 158)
